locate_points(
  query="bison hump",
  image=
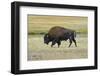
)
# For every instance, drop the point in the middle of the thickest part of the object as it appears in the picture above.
(56, 31)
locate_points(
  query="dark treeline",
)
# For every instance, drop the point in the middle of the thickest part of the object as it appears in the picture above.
(43, 33)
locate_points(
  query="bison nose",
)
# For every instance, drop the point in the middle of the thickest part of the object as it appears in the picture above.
(44, 42)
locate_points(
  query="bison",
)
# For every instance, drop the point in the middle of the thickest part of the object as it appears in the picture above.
(57, 34)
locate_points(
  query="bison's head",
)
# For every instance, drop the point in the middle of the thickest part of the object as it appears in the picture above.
(46, 39)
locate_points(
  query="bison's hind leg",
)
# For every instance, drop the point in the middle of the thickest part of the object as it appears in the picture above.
(70, 40)
(74, 42)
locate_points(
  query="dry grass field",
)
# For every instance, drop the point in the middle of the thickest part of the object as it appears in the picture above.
(39, 25)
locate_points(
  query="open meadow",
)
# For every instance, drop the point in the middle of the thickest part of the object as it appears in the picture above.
(38, 26)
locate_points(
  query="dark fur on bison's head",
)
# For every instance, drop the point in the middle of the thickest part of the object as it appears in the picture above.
(46, 39)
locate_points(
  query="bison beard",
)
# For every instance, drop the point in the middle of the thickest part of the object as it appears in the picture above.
(58, 34)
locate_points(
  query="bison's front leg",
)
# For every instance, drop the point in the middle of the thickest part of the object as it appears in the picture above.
(59, 43)
(53, 43)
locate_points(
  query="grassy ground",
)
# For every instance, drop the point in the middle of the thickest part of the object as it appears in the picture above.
(37, 50)
(39, 25)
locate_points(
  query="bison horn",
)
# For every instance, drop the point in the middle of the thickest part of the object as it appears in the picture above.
(46, 35)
